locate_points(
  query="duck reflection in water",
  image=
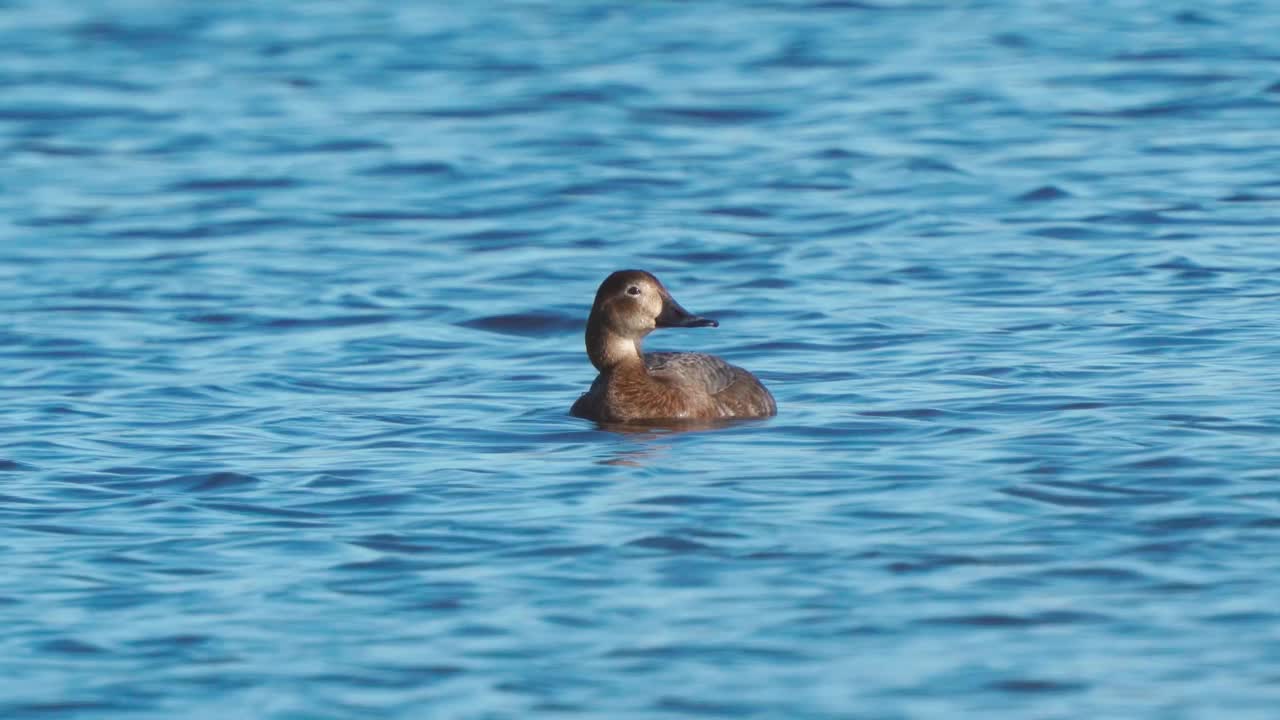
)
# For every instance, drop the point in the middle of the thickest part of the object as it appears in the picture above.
(645, 443)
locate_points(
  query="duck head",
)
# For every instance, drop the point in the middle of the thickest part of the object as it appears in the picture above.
(629, 305)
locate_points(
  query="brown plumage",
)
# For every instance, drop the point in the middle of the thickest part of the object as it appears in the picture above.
(658, 387)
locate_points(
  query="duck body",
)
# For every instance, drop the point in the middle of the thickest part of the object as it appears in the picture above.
(676, 386)
(638, 387)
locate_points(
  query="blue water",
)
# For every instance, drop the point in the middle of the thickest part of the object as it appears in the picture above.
(291, 301)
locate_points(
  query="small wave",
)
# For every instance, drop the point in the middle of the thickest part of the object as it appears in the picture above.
(526, 324)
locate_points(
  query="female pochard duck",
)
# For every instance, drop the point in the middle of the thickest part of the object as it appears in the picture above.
(634, 386)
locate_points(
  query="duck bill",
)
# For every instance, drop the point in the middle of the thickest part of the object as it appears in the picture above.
(673, 315)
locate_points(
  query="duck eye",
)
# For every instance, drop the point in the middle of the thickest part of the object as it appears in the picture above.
(633, 290)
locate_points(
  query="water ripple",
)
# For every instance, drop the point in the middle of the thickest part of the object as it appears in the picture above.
(292, 313)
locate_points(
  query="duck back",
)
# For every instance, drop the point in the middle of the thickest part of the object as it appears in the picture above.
(730, 390)
(676, 386)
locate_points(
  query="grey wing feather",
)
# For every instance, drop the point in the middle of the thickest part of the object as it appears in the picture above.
(707, 371)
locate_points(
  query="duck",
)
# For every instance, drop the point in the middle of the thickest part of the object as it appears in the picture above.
(660, 387)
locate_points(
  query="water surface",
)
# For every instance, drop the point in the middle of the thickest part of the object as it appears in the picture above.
(291, 300)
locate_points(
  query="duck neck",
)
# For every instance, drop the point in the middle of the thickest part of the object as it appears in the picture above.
(610, 351)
